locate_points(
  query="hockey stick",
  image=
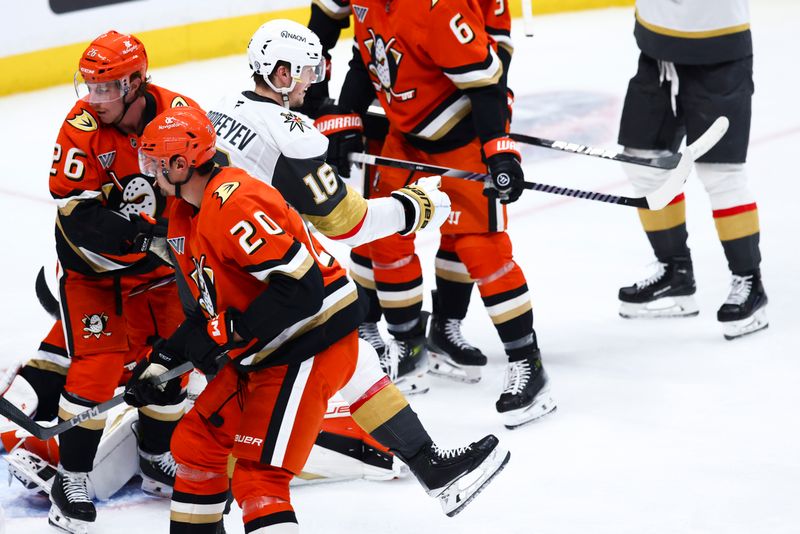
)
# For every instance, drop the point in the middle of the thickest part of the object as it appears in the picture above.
(16, 416)
(664, 162)
(655, 200)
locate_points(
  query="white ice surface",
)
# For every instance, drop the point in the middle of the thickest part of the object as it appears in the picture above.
(662, 427)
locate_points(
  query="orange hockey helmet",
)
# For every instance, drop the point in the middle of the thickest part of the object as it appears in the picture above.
(106, 66)
(181, 131)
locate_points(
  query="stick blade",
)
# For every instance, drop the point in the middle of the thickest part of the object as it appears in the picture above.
(673, 185)
(18, 417)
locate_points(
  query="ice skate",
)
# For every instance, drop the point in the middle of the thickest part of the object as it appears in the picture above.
(158, 473)
(669, 292)
(34, 473)
(72, 510)
(451, 356)
(456, 476)
(526, 395)
(745, 309)
(410, 356)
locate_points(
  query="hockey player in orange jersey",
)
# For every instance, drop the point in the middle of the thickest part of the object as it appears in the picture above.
(105, 252)
(436, 72)
(257, 286)
(447, 344)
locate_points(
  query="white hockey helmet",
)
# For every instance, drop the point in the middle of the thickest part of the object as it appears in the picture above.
(289, 41)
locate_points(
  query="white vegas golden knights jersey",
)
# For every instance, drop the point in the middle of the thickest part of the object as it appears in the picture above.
(694, 31)
(283, 148)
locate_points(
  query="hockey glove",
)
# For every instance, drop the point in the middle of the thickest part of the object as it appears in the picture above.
(344, 133)
(425, 205)
(208, 342)
(140, 391)
(148, 229)
(507, 179)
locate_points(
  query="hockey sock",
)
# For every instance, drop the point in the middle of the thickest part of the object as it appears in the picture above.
(156, 424)
(453, 286)
(512, 316)
(384, 413)
(262, 492)
(738, 231)
(666, 229)
(362, 274)
(198, 501)
(78, 445)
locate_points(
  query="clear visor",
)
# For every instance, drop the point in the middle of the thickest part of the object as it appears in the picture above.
(97, 93)
(313, 73)
(148, 165)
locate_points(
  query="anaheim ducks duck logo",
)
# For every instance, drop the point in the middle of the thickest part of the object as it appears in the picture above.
(95, 325)
(383, 65)
(83, 121)
(204, 279)
(132, 195)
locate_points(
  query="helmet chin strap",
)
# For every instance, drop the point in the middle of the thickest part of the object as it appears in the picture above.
(165, 172)
(283, 91)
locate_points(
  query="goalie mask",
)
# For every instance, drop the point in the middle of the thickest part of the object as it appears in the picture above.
(290, 42)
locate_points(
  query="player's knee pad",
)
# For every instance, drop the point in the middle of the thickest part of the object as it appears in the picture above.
(726, 184)
(486, 256)
(644, 179)
(260, 484)
(392, 252)
(368, 372)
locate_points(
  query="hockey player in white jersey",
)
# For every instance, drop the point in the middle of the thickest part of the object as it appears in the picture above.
(257, 130)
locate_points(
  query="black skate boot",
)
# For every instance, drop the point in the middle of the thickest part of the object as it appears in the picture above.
(745, 309)
(451, 355)
(369, 332)
(409, 354)
(667, 293)
(72, 510)
(456, 476)
(158, 473)
(526, 395)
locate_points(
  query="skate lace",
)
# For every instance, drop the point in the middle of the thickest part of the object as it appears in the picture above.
(447, 454)
(452, 330)
(517, 376)
(75, 486)
(369, 332)
(661, 268)
(390, 359)
(166, 463)
(740, 290)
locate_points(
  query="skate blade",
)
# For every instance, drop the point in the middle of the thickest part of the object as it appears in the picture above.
(754, 323)
(443, 366)
(67, 524)
(463, 490)
(660, 308)
(414, 384)
(155, 488)
(542, 405)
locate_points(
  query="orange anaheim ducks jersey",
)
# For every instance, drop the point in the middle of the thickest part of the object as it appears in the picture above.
(95, 177)
(421, 56)
(232, 248)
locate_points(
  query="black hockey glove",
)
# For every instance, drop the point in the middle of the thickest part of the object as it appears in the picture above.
(508, 180)
(140, 391)
(344, 132)
(148, 229)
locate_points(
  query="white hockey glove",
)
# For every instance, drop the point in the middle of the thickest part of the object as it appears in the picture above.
(426, 206)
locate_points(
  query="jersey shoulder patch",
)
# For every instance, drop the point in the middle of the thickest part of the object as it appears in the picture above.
(224, 192)
(178, 102)
(83, 121)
